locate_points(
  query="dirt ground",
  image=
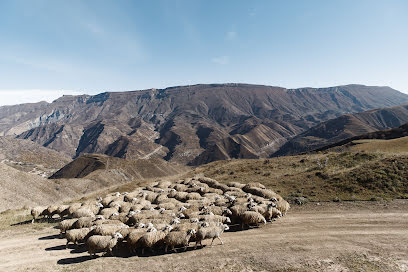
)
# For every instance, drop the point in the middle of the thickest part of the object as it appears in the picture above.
(344, 236)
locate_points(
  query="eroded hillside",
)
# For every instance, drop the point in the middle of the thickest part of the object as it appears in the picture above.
(190, 124)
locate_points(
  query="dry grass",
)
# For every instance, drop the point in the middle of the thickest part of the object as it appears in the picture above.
(399, 145)
(347, 175)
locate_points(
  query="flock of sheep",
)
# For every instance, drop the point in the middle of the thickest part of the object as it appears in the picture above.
(165, 215)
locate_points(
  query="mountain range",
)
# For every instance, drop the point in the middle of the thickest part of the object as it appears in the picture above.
(202, 123)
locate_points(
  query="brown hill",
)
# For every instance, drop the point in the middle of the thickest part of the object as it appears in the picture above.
(188, 124)
(83, 176)
(391, 140)
(350, 126)
(31, 157)
(103, 168)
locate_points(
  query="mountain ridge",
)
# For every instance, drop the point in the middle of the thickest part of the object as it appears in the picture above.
(186, 124)
(344, 127)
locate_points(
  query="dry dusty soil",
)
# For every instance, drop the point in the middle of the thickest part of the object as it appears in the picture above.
(345, 236)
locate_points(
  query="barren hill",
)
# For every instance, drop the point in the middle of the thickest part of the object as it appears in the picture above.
(85, 175)
(349, 126)
(31, 157)
(101, 167)
(189, 124)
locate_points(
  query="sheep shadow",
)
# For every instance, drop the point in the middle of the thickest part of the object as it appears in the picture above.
(75, 260)
(79, 249)
(41, 220)
(22, 223)
(50, 237)
(157, 252)
(60, 247)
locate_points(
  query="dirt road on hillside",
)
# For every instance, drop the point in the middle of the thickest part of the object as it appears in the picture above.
(364, 236)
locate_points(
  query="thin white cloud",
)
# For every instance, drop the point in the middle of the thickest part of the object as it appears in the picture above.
(13, 97)
(223, 60)
(231, 35)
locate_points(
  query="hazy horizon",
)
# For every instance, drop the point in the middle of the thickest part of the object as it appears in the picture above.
(35, 96)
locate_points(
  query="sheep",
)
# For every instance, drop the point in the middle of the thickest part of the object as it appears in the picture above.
(83, 222)
(160, 199)
(181, 196)
(66, 225)
(193, 196)
(122, 217)
(167, 206)
(178, 238)
(214, 218)
(271, 213)
(105, 243)
(107, 212)
(73, 207)
(151, 238)
(36, 212)
(105, 202)
(180, 187)
(125, 232)
(83, 212)
(94, 207)
(107, 230)
(186, 226)
(133, 238)
(237, 211)
(77, 235)
(163, 184)
(255, 184)
(51, 211)
(211, 232)
(258, 209)
(63, 210)
(262, 192)
(283, 206)
(250, 218)
(235, 184)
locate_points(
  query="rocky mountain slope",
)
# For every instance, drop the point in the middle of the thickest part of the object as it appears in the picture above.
(189, 124)
(349, 126)
(31, 157)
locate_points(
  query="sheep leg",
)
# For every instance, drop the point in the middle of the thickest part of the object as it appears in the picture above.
(66, 245)
(219, 238)
(32, 221)
(212, 241)
(175, 250)
(143, 251)
(165, 250)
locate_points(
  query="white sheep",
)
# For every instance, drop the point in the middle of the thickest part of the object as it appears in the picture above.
(251, 218)
(151, 238)
(105, 243)
(178, 238)
(83, 212)
(36, 212)
(272, 212)
(77, 235)
(66, 225)
(210, 232)
(133, 238)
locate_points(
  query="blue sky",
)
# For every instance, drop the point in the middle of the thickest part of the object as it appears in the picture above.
(48, 48)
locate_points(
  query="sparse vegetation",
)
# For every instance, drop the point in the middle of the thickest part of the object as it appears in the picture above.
(346, 175)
